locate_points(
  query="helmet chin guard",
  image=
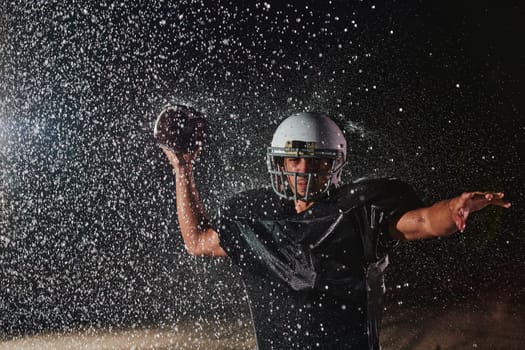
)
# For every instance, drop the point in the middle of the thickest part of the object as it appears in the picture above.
(306, 135)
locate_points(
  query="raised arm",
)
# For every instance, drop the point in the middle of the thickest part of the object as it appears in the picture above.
(199, 237)
(443, 218)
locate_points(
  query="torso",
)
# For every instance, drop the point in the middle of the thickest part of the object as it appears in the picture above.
(305, 288)
(304, 273)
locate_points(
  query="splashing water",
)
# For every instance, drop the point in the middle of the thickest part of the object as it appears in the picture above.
(88, 235)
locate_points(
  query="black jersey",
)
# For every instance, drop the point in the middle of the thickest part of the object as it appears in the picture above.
(315, 279)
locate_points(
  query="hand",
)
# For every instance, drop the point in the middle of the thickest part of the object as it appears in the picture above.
(470, 202)
(179, 161)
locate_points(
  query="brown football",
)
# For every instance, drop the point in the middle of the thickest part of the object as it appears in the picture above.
(180, 129)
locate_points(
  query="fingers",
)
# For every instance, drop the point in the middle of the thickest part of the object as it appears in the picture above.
(482, 194)
(496, 199)
(500, 203)
(178, 156)
(470, 202)
(176, 159)
(486, 198)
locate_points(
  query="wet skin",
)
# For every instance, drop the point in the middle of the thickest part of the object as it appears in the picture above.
(308, 165)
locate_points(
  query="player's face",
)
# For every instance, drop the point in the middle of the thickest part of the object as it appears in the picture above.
(308, 165)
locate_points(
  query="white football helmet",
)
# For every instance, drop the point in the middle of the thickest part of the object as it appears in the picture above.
(306, 135)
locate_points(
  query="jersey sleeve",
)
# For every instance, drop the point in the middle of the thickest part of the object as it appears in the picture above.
(229, 227)
(247, 225)
(238, 224)
(379, 202)
(396, 199)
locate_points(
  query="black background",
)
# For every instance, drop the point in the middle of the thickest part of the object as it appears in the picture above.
(431, 92)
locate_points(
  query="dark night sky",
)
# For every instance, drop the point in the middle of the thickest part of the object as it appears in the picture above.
(431, 92)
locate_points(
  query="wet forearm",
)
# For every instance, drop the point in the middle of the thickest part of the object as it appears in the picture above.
(433, 221)
(190, 212)
(439, 219)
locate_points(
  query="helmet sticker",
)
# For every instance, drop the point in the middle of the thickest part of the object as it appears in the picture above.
(299, 148)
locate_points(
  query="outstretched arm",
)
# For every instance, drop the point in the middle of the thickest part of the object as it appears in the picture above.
(198, 235)
(443, 218)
